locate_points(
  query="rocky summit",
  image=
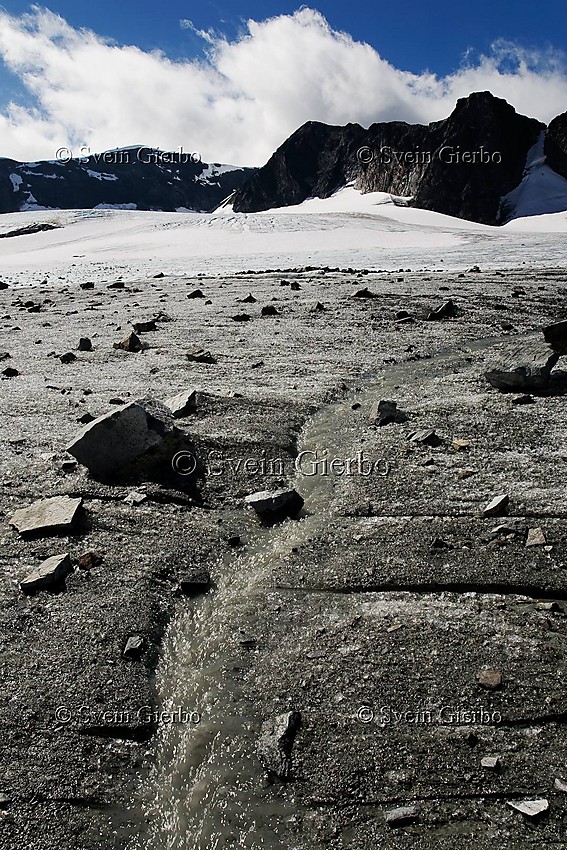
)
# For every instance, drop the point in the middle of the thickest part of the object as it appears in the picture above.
(462, 166)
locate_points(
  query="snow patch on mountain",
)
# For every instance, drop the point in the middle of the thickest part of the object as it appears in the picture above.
(541, 192)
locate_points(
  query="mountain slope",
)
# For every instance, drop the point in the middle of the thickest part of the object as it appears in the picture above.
(132, 178)
(461, 166)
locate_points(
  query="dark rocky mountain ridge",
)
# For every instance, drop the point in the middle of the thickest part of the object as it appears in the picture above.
(136, 178)
(462, 166)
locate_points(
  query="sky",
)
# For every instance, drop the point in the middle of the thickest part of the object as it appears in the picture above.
(233, 80)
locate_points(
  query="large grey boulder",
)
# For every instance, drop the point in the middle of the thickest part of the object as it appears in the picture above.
(525, 367)
(182, 404)
(47, 516)
(122, 436)
(49, 575)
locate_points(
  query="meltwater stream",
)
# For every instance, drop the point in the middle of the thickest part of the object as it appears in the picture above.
(208, 790)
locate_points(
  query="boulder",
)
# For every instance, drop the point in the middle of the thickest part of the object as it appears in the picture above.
(122, 436)
(47, 516)
(130, 343)
(556, 336)
(195, 582)
(50, 574)
(497, 506)
(525, 367)
(199, 355)
(276, 503)
(444, 311)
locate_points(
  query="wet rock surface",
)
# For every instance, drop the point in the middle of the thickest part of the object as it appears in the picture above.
(350, 616)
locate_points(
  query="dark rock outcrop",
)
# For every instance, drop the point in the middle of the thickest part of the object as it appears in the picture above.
(555, 147)
(134, 178)
(461, 166)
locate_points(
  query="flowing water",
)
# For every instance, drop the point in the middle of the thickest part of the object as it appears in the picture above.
(208, 789)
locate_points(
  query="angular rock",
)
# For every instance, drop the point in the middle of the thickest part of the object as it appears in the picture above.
(130, 343)
(134, 647)
(559, 785)
(47, 516)
(87, 285)
(523, 399)
(426, 436)
(182, 404)
(85, 344)
(241, 317)
(118, 284)
(248, 300)
(526, 367)
(144, 327)
(196, 582)
(136, 498)
(386, 413)
(444, 311)
(491, 763)
(197, 293)
(68, 357)
(402, 816)
(276, 503)
(199, 355)
(89, 560)
(50, 574)
(556, 336)
(536, 537)
(530, 808)
(364, 293)
(497, 506)
(275, 745)
(269, 310)
(117, 439)
(10, 372)
(490, 679)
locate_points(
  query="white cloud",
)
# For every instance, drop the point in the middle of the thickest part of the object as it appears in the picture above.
(245, 97)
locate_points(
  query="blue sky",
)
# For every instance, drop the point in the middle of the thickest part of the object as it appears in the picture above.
(108, 73)
(414, 35)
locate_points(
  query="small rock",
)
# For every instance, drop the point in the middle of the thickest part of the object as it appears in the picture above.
(275, 745)
(86, 418)
(10, 372)
(47, 515)
(196, 582)
(158, 276)
(536, 537)
(444, 311)
(497, 506)
(549, 607)
(386, 413)
(5, 356)
(85, 344)
(364, 293)
(134, 647)
(234, 541)
(118, 284)
(89, 561)
(269, 310)
(491, 763)
(136, 498)
(248, 300)
(461, 445)
(559, 785)
(50, 574)
(68, 465)
(117, 401)
(523, 399)
(68, 357)
(182, 404)
(295, 286)
(241, 317)
(130, 343)
(426, 437)
(273, 504)
(318, 308)
(197, 293)
(144, 327)
(402, 816)
(489, 678)
(199, 355)
(466, 473)
(87, 285)
(530, 808)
